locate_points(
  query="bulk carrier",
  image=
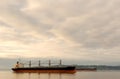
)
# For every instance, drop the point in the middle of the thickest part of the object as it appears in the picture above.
(19, 67)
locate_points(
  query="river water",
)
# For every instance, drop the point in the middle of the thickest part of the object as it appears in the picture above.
(78, 75)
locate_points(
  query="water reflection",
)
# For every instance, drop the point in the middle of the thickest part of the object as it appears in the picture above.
(44, 76)
(77, 75)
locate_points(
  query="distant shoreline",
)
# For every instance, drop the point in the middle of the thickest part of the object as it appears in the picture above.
(98, 67)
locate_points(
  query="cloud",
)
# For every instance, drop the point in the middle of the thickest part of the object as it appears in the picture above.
(12, 15)
(97, 28)
(73, 29)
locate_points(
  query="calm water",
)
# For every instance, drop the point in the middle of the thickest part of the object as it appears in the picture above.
(78, 75)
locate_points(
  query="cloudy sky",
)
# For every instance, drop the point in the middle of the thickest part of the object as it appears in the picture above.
(83, 31)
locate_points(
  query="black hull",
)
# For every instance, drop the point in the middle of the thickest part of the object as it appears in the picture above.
(87, 69)
(67, 69)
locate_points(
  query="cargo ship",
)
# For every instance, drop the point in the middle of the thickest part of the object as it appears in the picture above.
(19, 68)
(87, 69)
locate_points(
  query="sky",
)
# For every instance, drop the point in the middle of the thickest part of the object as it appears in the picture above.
(78, 31)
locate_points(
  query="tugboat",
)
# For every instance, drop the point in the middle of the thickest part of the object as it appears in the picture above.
(44, 69)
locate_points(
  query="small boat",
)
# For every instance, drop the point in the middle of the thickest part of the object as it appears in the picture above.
(44, 69)
(87, 69)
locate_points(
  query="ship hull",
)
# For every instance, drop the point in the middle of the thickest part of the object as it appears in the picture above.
(68, 69)
(87, 69)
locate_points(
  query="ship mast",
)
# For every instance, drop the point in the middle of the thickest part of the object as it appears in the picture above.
(29, 63)
(39, 63)
(60, 62)
(49, 63)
